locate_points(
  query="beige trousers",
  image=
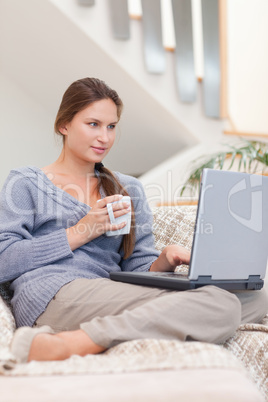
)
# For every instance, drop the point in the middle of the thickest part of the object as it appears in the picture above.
(113, 312)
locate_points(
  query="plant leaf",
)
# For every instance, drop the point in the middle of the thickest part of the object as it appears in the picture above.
(248, 151)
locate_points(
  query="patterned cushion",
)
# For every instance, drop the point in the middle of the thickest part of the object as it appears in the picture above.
(250, 346)
(174, 225)
(137, 355)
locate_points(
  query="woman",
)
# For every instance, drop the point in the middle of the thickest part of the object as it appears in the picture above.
(54, 249)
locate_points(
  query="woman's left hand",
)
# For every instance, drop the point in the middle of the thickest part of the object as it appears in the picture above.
(170, 258)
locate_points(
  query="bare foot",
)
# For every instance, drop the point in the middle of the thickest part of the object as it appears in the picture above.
(48, 347)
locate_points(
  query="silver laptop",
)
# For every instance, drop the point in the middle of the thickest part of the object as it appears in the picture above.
(230, 243)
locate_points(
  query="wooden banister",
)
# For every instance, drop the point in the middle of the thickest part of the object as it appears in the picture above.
(245, 134)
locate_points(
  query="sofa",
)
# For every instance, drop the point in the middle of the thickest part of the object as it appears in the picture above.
(145, 370)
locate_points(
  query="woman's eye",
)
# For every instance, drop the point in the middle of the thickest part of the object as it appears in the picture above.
(111, 126)
(93, 124)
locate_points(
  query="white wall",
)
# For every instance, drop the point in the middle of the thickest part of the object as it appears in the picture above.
(164, 183)
(26, 130)
(248, 64)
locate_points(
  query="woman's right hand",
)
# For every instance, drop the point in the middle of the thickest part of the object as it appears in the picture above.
(97, 221)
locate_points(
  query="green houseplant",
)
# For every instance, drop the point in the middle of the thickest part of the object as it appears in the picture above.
(249, 156)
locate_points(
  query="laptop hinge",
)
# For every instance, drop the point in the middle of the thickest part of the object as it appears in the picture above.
(254, 278)
(255, 282)
(204, 279)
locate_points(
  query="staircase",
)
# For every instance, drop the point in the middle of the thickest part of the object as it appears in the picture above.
(51, 43)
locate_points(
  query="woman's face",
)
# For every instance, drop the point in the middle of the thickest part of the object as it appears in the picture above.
(91, 133)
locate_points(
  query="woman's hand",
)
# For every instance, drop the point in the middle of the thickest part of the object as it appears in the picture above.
(170, 258)
(97, 221)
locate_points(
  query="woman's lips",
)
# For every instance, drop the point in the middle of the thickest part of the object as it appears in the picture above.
(99, 150)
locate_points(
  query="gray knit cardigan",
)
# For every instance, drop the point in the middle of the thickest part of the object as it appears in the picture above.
(34, 252)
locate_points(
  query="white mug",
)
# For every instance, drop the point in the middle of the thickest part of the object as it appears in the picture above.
(120, 219)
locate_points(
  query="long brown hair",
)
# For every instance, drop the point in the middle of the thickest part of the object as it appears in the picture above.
(77, 97)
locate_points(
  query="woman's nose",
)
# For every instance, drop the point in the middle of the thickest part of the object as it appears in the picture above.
(103, 137)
